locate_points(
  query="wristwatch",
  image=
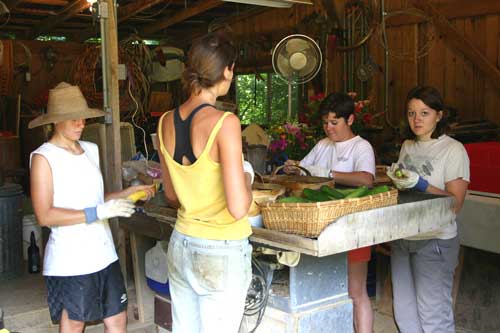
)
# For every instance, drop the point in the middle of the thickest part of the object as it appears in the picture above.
(331, 174)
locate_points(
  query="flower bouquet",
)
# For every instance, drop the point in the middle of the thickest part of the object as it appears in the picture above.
(290, 141)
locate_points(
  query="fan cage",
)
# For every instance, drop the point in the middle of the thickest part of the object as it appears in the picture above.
(294, 78)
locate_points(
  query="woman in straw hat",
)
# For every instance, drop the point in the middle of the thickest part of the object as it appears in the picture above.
(81, 268)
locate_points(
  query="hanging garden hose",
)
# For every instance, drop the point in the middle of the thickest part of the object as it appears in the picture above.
(361, 10)
(257, 296)
(136, 57)
(420, 52)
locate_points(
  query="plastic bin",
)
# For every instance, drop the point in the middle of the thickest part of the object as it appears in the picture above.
(484, 166)
(11, 234)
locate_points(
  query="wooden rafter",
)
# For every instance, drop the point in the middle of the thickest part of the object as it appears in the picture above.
(67, 12)
(48, 2)
(199, 7)
(34, 12)
(453, 38)
(454, 10)
(11, 4)
(124, 13)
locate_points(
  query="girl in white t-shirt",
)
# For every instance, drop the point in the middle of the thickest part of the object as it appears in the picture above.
(423, 266)
(349, 159)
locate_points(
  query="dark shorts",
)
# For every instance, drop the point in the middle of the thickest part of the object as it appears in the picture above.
(88, 297)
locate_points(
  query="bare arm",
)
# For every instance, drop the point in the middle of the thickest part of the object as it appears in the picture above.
(456, 188)
(168, 188)
(236, 184)
(42, 196)
(356, 178)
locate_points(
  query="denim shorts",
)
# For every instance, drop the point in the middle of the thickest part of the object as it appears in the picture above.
(88, 297)
(208, 282)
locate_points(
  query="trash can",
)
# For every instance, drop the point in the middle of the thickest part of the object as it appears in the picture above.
(11, 231)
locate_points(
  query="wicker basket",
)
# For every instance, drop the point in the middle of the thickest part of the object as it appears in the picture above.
(262, 193)
(296, 183)
(309, 219)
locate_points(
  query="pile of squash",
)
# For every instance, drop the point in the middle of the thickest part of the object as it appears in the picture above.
(327, 193)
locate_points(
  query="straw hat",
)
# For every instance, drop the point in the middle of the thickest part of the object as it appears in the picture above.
(66, 102)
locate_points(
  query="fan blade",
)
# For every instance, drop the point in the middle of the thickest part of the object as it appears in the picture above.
(310, 67)
(312, 63)
(284, 66)
(296, 45)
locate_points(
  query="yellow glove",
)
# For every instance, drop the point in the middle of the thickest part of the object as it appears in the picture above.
(136, 196)
(141, 195)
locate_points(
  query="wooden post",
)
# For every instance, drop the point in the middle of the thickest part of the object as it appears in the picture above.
(112, 105)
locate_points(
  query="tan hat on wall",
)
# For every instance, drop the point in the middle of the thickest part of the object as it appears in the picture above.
(66, 102)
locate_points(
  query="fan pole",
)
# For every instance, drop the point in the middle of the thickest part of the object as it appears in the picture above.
(289, 101)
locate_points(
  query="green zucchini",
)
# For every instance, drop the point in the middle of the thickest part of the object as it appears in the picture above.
(378, 189)
(359, 192)
(345, 191)
(331, 192)
(293, 200)
(315, 195)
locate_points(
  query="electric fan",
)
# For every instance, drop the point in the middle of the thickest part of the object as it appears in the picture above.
(296, 59)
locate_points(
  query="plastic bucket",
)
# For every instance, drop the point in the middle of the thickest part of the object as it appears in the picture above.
(30, 224)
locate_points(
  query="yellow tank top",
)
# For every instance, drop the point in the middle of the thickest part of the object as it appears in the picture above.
(199, 187)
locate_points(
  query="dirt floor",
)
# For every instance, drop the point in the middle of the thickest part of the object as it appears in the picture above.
(477, 307)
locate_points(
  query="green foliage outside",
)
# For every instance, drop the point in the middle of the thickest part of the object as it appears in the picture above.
(48, 38)
(252, 99)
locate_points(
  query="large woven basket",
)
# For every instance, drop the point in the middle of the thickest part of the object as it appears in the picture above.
(309, 219)
(264, 192)
(296, 183)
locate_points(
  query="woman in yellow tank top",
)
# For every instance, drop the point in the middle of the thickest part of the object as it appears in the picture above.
(209, 256)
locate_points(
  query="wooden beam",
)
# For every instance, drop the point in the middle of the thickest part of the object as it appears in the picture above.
(66, 13)
(453, 38)
(48, 2)
(124, 13)
(11, 4)
(34, 12)
(199, 7)
(457, 9)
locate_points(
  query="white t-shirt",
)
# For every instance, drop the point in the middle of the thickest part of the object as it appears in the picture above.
(77, 180)
(352, 155)
(438, 161)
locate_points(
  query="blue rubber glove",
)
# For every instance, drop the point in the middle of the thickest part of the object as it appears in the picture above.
(407, 179)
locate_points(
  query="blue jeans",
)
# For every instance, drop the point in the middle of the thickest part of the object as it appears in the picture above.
(208, 282)
(422, 281)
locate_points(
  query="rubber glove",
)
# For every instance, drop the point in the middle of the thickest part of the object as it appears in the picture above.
(248, 168)
(109, 209)
(406, 179)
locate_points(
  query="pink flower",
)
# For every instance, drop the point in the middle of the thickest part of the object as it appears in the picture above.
(291, 129)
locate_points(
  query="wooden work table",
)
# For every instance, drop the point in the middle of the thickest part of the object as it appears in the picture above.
(415, 213)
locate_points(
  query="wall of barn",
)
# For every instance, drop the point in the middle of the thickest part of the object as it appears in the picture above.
(418, 53)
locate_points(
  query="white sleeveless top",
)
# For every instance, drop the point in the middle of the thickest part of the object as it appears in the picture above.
(77, 180)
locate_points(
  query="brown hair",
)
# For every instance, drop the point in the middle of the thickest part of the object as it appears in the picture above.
(207, 59)
(431, 97)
